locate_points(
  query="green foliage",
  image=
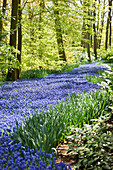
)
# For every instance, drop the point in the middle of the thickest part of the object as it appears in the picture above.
(94, 79)
(45, 130)
(106, 55)
(105, 79)
(108, 80)
(7, 59)
(92, 145)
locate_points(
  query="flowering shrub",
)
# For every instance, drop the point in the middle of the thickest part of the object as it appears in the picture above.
(28, 97)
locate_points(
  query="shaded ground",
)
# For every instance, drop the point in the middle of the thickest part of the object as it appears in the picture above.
(29, 96)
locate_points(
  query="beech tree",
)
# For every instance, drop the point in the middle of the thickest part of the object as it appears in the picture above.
(2, 35)
(53, 32)
(2, 15)
(12, 73)
(94, 28)
(59, 37)
(86, 26)
(108, 24)
(19, 38)
(101, 24)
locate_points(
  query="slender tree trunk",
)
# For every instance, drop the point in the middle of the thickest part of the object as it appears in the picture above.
(95, 37)
(98, 23)
(102, 24)
(42, 6)
(88, 34)
(110, 30)
(108, 23)
(2, 14)
(59, 37)
(88, 47)
(31, 16)
(84, 35)
(12, 73)
(84, 32)
(19, 39)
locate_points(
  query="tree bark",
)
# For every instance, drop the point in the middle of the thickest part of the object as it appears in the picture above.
(59, 36)
(2, 14)
(84, 32)
(19, 39)
(108, 23)
(42, 6)
(88, 34)
(110, 28)
(102, 24)
(12, 73)
(95, 36)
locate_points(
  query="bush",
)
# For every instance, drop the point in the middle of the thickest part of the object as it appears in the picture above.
(92, 145)
(106, 55)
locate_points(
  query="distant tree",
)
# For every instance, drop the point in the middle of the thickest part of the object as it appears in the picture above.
(61, 51)
(2, 15)
(12, 73)
(19, 38)
(94, 28)
(108, 24)
(102, 24)
(41, 10)
(110, 30)
(86, 26)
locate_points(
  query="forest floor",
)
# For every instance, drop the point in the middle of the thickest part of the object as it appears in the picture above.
(27, 96)
(66, 156)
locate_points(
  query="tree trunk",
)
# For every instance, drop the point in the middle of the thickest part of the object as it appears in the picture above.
(84, 32)
(31, 27)
(59, 37)
(2, 14)
(95, 37)
(19, 39)
(42, 6)
(88, 47)
(12, 73)
(88, 34)
(108, 23)
(102, 24)
(110, 30)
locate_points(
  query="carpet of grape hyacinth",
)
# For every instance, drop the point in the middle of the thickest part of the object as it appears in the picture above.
(29, 96)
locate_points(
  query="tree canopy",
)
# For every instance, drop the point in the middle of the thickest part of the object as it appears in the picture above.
(44, 33)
